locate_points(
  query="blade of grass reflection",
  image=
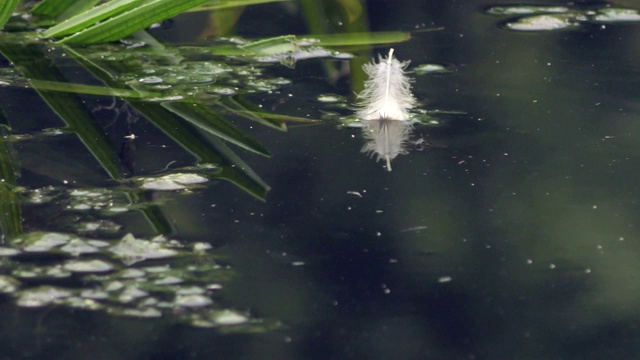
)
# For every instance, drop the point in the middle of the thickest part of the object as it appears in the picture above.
(245, 108)
(206, 149)
(142, 202)
(209, 120)
(10, 211)
(32, 62)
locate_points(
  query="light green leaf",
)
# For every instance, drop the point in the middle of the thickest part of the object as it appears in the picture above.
(272, 46)
(131, 21)
(88, 18)
(89, 89)
(352, 39)
(230, 4)
(6, 10)
(63, 9)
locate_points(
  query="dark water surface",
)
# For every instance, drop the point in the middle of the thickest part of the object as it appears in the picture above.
(513, 236)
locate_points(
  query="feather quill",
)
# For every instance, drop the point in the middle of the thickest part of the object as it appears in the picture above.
(384, 106)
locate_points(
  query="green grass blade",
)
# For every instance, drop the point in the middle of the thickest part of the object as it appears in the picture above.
(6, 10)
(90, 89)
(209, 120)
(229, 4)
(362, 38)
(88, 18)
(63, 9)
(33, 63)
(131, 21)
(272, 46)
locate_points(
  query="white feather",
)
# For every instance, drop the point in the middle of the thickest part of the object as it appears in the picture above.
(387, 92)
(384, 106)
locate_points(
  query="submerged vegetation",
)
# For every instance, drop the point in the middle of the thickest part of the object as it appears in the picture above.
(195, 94)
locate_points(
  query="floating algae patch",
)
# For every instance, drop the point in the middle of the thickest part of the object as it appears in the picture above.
(525, 9)
(178, 281)
(132, 250)
(549, 18)
(616, 15)
(543, 22)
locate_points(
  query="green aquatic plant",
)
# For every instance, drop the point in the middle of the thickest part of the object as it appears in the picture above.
(178, 98)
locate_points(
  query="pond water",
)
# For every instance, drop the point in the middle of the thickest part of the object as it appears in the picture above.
(509, 229)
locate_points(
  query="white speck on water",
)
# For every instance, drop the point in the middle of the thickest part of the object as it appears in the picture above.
(444, 279)
(552, 266)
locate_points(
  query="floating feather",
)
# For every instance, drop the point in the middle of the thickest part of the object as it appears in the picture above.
(384, 108)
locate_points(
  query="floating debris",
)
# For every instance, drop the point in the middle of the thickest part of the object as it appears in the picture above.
(8, 284)
(42, 242)
(192, 301)
(542, 22)
(174, 282)
(330, 98)
(525, 9)
(432, 69)
(228, 317)
(8, 251)
(132, 250)
(77, 247)
(546, 18)
(177, 181)
(41, 296)
(617, 14)
(88, 266)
